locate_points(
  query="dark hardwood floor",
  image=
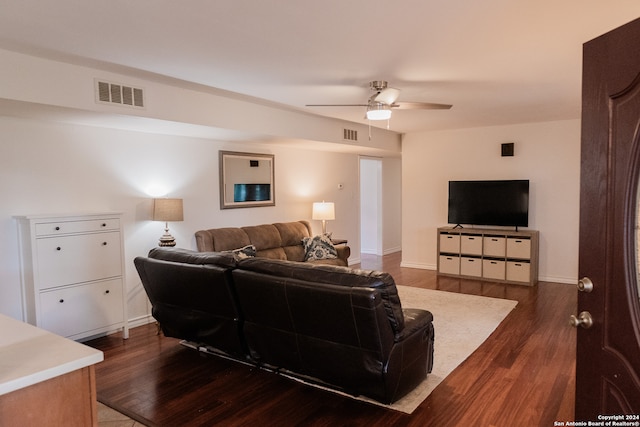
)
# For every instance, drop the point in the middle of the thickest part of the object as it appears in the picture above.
(522, 375)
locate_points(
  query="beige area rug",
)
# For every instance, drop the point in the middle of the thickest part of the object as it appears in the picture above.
(461, 322)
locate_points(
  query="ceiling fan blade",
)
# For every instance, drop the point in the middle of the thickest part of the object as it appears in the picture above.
(420, 106)
(387, 96)
(335, 105)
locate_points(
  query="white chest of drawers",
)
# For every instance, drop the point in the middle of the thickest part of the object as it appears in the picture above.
(73, 273)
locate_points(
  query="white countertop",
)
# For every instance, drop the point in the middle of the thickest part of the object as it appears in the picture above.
(29, 355)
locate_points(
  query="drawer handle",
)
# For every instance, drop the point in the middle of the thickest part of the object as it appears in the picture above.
(58, 248)
(493, 262)
(104, 243)
(61, 301)
(57, 228)
(494, 240)
(449, 237)
(107, 291)
(104, 224)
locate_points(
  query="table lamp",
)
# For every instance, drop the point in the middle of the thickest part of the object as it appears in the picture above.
(167, 210)
(323, 211)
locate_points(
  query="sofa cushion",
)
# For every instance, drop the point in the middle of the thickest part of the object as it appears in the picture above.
(263, 236)
(336, 275)
(291, 233)
(222, 239)
(273, 253)
(294, 253)
(319, 247)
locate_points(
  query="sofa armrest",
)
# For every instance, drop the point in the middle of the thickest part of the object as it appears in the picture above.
(411, 357)
(414, 320)
(344, 252)
(419, 323)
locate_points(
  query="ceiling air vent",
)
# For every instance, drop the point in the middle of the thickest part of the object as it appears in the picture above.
(115, 93)
(350, 135)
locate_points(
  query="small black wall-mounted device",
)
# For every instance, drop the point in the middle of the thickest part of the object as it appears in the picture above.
(507, 149)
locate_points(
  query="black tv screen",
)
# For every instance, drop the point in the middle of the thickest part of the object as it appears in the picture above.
(501, 203)
(251, 192)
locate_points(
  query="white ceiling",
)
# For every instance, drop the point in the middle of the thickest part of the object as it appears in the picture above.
(497, 61)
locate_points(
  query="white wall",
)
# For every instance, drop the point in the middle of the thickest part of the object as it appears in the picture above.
(60, 168)
(548, 154)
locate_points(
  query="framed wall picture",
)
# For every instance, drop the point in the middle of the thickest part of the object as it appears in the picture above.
(246, 180)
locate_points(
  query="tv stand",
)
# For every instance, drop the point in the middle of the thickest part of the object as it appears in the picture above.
(489, 254)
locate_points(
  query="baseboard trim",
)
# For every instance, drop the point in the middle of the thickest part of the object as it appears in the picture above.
(563, 280)
(418, 265)
(141, 320)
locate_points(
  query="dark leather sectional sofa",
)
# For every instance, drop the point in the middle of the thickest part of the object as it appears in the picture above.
(340, 327)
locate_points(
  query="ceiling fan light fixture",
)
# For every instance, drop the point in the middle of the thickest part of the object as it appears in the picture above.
(378, 111)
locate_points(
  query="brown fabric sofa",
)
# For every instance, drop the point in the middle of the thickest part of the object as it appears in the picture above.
(336, 326)
(282, 240)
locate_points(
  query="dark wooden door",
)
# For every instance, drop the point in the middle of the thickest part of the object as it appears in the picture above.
(608, 352)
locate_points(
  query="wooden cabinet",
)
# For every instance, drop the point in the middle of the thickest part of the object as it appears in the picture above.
(73, 273)
(488, 254)
(46, 380)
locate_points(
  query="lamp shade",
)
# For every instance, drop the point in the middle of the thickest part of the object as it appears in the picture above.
(324, 211)
(167, 210)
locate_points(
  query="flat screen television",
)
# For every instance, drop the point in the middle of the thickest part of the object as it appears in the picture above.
(500, 203)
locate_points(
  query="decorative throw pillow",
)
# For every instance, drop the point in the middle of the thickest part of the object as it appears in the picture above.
(248, 251)
(319, 247)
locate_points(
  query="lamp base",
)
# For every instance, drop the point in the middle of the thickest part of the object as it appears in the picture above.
(167, 240)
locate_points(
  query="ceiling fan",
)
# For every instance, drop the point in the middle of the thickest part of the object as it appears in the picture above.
(383, 100)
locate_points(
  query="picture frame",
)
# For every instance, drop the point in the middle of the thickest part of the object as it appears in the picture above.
(247, 180)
